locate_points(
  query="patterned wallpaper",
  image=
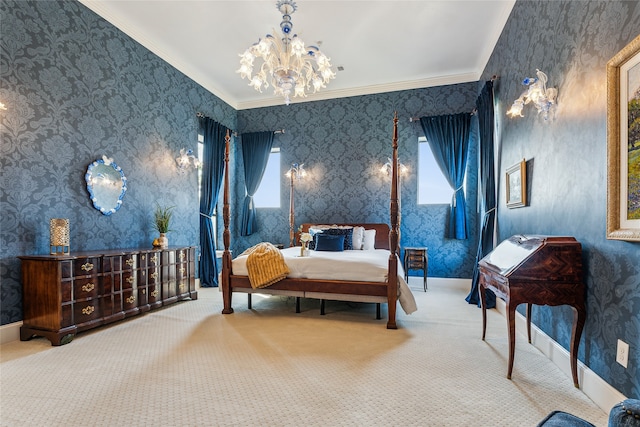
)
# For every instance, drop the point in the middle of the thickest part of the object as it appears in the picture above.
(343, 143)
(572, 42)
(76, 88)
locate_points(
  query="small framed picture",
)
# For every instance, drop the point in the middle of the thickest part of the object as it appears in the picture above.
(516, 179)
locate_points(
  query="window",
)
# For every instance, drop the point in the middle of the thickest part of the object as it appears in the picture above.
(433, 188)
(268, 194)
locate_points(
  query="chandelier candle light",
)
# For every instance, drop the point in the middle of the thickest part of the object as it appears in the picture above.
(290, 67)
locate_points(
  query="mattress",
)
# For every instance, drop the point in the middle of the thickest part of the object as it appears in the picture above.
(350, 265)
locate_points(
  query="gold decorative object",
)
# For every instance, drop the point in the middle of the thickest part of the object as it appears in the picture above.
(87, 267)
(88, 287)
(59, 236)
(88, 310)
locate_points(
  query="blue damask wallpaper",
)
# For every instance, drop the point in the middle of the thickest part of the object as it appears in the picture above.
(76, 88)
(343, 143)
(572, 42)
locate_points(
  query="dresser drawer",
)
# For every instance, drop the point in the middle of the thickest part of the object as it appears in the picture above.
(85, 288)
(129, 300)
(87, 311)
(86, 266)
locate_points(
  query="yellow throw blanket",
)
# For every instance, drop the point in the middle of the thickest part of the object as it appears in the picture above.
(265, 265)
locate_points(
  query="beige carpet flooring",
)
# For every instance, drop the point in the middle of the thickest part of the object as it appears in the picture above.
(189, 365)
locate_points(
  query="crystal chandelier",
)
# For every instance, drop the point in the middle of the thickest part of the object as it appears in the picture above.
(288, 65)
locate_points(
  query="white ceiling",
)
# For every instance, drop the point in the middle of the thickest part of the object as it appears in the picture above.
(383, 45)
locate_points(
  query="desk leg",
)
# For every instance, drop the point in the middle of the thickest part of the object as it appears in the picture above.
(529, 322)
(483, 303)
(511, 325)
(579, 317)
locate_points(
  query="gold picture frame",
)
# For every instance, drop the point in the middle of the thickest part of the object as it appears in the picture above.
(623, 158)
(516, 183)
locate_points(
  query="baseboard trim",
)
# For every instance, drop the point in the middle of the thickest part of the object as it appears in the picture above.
(596, 389)
(10, 332)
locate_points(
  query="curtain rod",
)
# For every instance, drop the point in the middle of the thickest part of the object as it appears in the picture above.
(473, 112)
(417, 119)
(235, 133)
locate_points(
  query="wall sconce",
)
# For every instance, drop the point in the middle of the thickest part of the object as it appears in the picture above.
(296, 172)
(186, 158)
(59, 236)
(386, 168)
(543, 98)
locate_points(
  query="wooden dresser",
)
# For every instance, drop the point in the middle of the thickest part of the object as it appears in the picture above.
(67, 294)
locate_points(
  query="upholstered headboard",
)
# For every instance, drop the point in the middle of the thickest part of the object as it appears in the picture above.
(382, 232)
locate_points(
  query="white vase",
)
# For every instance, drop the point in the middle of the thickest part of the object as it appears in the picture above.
(163, 242)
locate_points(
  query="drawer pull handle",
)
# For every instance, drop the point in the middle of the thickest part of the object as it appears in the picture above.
(130, 262)
(144, 257)
(88, 310)
(130, 300)
(154, 275)
(144, 291)
(181, 256)
(131, 279)
(154, 293)
(87, 267)
(88, 287)
(182, 270)
(182, 287)
(154, 259)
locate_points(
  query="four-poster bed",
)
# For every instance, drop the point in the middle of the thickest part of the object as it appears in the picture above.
(387, 288)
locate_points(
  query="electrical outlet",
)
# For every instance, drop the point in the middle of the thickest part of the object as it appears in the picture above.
(622, 355)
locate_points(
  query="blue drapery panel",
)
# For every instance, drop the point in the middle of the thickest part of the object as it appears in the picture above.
(256, 148)
(212, 174)
(448, 137)
(486, 177)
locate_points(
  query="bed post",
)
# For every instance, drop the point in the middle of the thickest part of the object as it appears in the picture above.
(394, 234)
(226, 235)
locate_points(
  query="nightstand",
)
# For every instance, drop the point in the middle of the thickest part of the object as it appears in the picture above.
(416, 259)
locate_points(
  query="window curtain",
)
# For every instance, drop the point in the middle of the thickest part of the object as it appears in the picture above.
(212, 174)
(448, 137)
(256, 148)
(486, 177)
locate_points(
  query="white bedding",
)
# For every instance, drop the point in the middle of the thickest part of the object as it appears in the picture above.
(354, 265)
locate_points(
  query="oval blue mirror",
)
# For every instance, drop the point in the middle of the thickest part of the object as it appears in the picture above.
(106, 184)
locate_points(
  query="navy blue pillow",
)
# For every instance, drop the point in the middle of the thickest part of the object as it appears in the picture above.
(328, 242)
(346, 232)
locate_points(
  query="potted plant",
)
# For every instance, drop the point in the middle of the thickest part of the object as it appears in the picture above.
(161, 223)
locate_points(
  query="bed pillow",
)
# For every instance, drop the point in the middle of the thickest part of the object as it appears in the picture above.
(358, 237)
(369, 241)
(313, 230)
(347, 232)
(329, 242)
